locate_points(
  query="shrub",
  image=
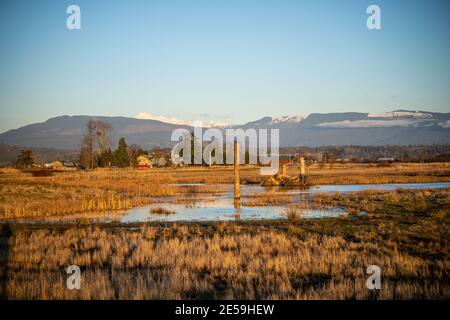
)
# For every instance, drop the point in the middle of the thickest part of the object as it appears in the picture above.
(293, 214)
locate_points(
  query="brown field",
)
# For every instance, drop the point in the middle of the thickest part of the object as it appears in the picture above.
(24, 196)
(404, 232)
(301, 259)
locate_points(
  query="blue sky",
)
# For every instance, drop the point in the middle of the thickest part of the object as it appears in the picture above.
(225, 60)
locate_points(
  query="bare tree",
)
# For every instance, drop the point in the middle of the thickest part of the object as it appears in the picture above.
(134, 151)
(98, 138)
(103, 132)
(88, 145)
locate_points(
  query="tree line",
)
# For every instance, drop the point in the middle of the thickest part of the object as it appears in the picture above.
(96, 148)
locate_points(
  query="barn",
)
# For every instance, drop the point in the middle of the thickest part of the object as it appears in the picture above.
(144, 162)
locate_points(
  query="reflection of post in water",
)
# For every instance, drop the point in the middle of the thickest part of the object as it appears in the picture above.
(5, 235)
(302, 171)
(237, 209)
(237, 182)
(302, 198)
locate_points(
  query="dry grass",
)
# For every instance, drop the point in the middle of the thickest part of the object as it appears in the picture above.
(424, 201)
(267, 199)
(406, 235)
(228, 262)
(331, 174)
(161, 210)
(404, 232)
(23, 196)
(26, 197)
(293, 214)
(372, 173)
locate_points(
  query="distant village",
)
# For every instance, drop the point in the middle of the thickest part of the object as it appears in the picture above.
(159, 158)
(144, 161)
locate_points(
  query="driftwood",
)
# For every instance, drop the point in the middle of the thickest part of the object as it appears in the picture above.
(282, 179)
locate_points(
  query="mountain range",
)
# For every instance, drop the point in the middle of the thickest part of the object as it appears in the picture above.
(400, 127)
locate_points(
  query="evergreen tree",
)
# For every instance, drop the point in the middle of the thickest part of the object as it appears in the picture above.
(121, 154)
(106, 159)
(25, 159)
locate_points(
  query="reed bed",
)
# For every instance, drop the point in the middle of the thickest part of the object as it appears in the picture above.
(26, 197)
(374, 174)
(267, 199)
(406, 235)
(293, 214)
(23, 196)
(425, 201)
(191, 262)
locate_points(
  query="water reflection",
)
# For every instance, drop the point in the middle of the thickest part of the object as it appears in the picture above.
(223, 206)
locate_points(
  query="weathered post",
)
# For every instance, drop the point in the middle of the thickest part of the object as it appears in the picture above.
(237, 182)
(302, 170)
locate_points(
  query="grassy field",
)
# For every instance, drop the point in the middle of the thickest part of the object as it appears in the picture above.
(406, 235)
(23, 196)
(404, 232)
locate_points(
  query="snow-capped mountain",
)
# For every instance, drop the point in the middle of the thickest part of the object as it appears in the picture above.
(400, 127)
(205, 124)
(292, 119)
(401, 114)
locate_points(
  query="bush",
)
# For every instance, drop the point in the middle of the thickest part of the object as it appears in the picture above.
(293, 214)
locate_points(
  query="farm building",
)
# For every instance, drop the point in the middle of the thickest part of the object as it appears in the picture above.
(61, 165)
(144, 162)
(69, 165)
(386, 160)
(55, 165)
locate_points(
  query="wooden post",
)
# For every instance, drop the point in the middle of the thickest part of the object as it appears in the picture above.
(237, 182)
(283, 169)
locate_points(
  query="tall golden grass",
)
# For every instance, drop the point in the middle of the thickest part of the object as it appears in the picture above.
(406, 235)
(186, 262)
(23, 196)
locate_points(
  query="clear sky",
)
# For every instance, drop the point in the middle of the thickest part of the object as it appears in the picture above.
(224, 60)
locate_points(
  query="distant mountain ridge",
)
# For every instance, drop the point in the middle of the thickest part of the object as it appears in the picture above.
(400, 127)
